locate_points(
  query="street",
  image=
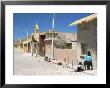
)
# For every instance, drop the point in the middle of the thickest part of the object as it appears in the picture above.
(25, 64)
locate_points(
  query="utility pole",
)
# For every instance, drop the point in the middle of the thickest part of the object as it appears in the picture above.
(53, 26)
(27, 41)
(52, 47)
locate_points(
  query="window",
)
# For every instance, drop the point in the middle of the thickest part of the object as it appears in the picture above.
(35, 45)
(83, 48)
(69, 45)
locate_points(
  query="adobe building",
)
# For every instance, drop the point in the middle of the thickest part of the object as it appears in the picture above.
(61, 47)
(16, 44)
(55, 45)
(37, 42)
(30, 43)
(87, 36)
(24, 44)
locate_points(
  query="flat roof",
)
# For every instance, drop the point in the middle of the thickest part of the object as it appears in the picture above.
(87, 19)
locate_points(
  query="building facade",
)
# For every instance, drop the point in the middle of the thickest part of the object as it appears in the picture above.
(55, 45)
(61, 47)
(87, 37)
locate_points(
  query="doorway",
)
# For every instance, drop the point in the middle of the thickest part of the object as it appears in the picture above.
(42, 45)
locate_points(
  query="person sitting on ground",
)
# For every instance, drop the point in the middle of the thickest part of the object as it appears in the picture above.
(80, 67)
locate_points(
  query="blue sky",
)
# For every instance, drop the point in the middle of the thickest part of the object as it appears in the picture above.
(25, 22)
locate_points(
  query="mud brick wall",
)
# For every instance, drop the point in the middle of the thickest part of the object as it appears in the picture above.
(70, 55)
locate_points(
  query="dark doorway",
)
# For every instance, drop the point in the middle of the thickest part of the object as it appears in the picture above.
(42, 45)
(29, 47)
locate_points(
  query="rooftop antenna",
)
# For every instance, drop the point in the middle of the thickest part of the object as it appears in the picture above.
(27, 33)
(53, 23)
(36, 21)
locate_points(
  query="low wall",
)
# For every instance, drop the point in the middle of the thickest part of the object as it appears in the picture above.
(67, 56)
